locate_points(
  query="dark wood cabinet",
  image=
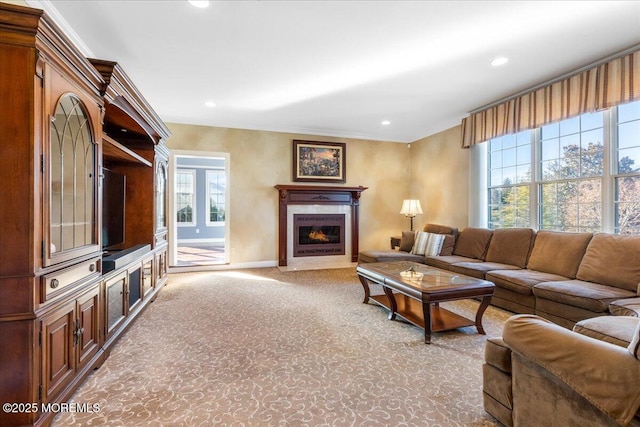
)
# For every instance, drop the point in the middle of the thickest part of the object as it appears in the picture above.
(70, 338)
(58, 358)
(67, 121)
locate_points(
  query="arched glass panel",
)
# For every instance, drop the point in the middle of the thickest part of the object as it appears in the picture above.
(72, 178)
(161, 195)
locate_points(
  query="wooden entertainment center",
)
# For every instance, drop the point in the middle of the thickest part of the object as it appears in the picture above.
(83, 166)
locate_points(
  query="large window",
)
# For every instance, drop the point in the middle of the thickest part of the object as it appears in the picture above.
(571, 170)
(216, 194)
(586, 174)
(627, 170)
(185, 196)
(510, 181)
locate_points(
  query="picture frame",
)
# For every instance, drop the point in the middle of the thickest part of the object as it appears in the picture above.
(315, 161)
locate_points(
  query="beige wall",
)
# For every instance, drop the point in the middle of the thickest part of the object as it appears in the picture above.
(440, 178)
(259, 160)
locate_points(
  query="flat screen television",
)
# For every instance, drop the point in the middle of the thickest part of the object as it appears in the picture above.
(113, 209)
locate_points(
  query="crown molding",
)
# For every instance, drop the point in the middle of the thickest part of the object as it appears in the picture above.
(53, 13)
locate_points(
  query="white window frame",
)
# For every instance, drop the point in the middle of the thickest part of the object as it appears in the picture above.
(577, 180)
(208, 222)
(479, 206)
(515, 185)
(615, 173)
(193, 197)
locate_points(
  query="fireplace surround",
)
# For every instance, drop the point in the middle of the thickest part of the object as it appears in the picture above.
(307, 195)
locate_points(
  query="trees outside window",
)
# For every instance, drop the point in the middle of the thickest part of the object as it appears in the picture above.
(627, 170)
(216, 195)
(572, 167)
(585, 167)
(185, 196)
(510, 181)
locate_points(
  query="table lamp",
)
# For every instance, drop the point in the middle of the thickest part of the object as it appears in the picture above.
(410, 208)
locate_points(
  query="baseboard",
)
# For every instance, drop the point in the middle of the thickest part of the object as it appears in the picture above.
(229, 266)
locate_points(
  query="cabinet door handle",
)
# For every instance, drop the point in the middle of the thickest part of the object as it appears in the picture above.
(54, 283)
(77, 334)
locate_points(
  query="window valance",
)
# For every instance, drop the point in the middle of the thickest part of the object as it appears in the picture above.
(611, 83)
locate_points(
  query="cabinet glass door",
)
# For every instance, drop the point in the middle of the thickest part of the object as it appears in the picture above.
(161, 197)
(116, 309)
(72, 179)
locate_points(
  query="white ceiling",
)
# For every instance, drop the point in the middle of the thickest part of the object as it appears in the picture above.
(338, 68)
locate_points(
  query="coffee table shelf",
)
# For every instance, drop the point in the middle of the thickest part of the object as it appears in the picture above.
(411, 311)
(418, 300)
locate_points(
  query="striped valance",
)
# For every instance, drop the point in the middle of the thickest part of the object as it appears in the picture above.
(611, 83)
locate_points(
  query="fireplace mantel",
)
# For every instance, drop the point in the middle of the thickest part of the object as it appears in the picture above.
(317, 195)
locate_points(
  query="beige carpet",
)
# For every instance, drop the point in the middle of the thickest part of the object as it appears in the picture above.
(268, 348)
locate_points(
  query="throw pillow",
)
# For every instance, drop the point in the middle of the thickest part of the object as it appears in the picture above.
(406, 243)
(634, 347)
(427, 244)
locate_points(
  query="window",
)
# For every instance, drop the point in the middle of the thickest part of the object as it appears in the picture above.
(586, 175)
(510, 181)
(571, 170)
(216, 192)
(185, 197)
(627, 170)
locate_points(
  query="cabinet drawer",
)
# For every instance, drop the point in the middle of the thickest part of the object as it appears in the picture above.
(54, 284)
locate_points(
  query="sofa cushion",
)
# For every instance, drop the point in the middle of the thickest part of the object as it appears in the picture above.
(577, 293)
(479, 269)
(444, 262)
(625, 307)
(520, 281)
(558, 252)
(407, 240)
(473, 243)
(612, 260)
(448, 245)
(616, 330)
(634, 346)
(496, 380)
(511, 246)
(388, 256)
(451, 234)
(428, 244)
(498, 354)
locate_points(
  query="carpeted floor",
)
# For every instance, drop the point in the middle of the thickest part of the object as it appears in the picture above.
(269, 348)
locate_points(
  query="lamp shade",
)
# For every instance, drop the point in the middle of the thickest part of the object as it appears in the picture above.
(411, 207)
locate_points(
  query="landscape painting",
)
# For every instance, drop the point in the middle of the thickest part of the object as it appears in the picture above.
(319, 161)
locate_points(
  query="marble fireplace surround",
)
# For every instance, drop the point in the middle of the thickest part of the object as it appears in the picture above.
(328, 199)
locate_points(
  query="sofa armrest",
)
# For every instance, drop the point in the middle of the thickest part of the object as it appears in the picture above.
(606, 375)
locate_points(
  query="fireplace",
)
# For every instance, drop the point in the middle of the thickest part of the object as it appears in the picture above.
(318, 235)
(326, 230)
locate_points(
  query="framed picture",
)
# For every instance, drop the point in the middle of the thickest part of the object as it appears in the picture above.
(319, 161)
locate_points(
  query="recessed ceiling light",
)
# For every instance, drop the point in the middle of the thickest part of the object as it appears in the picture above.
(385, 123)
(210, 104)
(499, 61)
(202, 4)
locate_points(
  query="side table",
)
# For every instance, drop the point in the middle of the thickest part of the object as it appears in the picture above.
(395, 242)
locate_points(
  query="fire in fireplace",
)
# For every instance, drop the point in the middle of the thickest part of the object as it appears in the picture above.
(318, 234)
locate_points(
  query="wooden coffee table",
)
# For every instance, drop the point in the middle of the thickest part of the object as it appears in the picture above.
(414, 292)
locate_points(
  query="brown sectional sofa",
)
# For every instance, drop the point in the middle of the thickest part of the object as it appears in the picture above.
(564, 277)
(541, 374)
